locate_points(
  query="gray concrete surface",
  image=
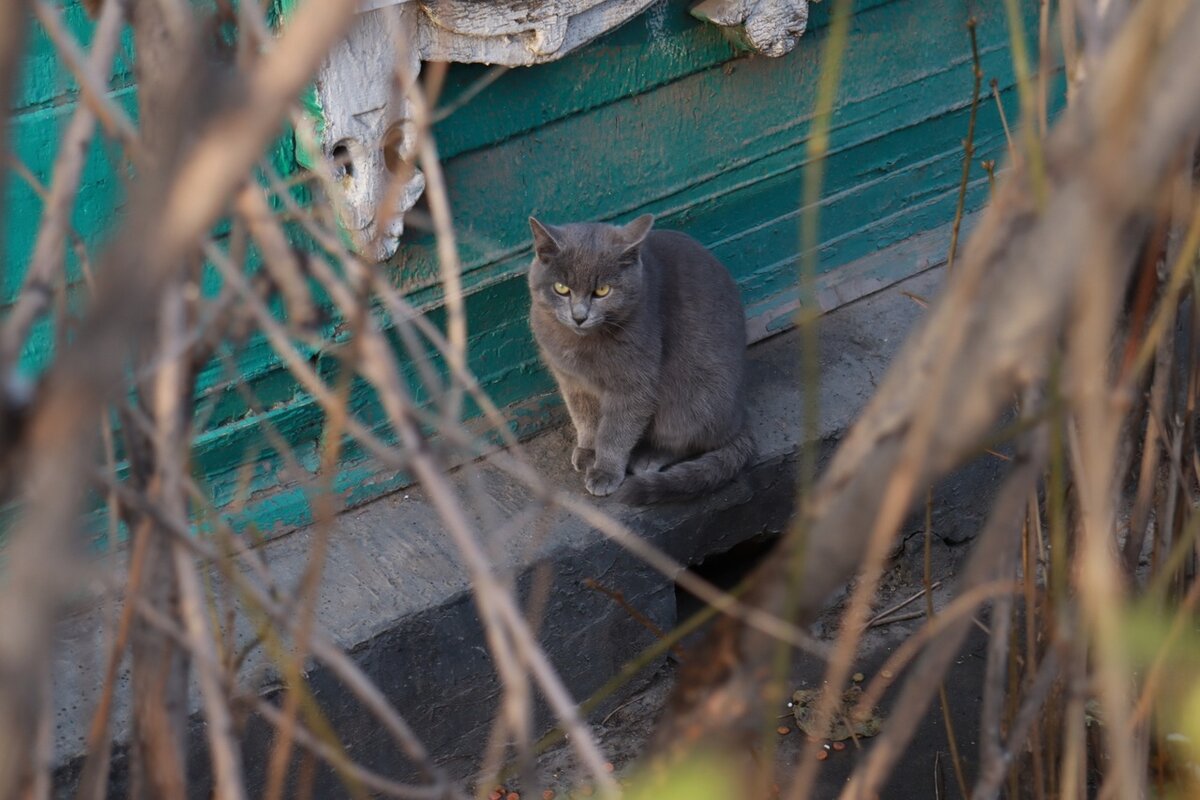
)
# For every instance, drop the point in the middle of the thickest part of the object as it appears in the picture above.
(396, 597)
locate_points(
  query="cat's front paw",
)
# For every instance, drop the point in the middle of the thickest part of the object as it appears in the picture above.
(602, 481)
(583, 458)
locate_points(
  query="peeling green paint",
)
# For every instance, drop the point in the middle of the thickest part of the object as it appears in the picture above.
(661, 115)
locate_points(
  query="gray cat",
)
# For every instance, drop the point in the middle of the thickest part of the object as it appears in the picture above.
(645, 334)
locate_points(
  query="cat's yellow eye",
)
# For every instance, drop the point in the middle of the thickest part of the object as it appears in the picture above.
(562, 288)
(602, 291)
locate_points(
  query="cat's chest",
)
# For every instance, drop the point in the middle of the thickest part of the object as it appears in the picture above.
(595, 367)
(578, 362)
(598, 362)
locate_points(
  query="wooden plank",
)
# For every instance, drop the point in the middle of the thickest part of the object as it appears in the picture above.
(662, 45)
(659, 116)
(617, 160)
(893, 172)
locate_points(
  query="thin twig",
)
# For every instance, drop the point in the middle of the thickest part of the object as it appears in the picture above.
(1013, 154)
(879, 623)
(323, 646)
(943, 697)
(994, 541)
(464, 97)
(888, 612)
(968, 145)
(47, 259)
(1032, 149)
(325, 507)
(991, 749)
(992, 773)
(92, 76)
(303, 736)
(637, 616)
(447, 247)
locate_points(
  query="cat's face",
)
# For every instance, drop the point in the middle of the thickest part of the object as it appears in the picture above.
(588, 275)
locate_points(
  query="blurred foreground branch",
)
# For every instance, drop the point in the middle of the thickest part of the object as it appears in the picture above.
(200, 153)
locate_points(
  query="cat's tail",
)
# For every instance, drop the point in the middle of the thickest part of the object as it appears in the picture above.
(692, 478)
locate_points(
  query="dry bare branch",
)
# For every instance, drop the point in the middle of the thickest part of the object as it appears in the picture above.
(14, 19)
(1006, 304)
(996, 545)
(171, 209)
(48, 251)
(323, 646)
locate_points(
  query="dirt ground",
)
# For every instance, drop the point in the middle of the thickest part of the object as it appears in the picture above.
(925, 771)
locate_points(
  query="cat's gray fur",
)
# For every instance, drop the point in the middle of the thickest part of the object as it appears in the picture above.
(653, 373)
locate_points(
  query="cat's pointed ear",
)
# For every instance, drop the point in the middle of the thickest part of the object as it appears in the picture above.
(634, 233)
(547, 240)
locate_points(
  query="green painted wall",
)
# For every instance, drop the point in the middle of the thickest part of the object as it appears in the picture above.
(662, 115)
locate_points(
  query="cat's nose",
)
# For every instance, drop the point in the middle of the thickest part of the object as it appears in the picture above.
(579, 314)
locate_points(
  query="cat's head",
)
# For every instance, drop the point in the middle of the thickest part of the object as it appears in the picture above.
(589, 275)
